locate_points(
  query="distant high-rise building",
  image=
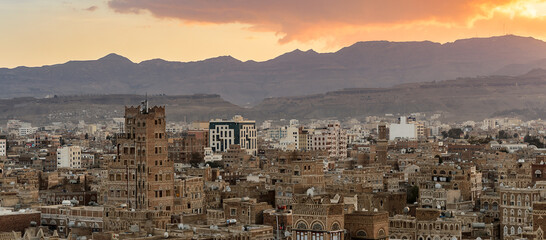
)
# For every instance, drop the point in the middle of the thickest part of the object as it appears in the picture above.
(237, 131)
(69, 157)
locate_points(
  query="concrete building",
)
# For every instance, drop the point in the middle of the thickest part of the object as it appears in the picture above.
(69, 157)
(332, 139)
(3, 147)
(291, 139)
(237, 131)
(403, 130)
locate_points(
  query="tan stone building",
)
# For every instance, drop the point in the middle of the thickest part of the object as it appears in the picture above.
(189, 195)
(515, 210)
(319, 217)
(245, 210)
(140, 190)
(367, 225)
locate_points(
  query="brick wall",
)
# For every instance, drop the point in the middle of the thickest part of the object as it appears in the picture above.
(17, 222)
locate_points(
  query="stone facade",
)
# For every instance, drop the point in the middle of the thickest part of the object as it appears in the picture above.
(367, 225)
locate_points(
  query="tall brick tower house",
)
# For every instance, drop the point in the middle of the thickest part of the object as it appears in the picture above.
(141, 176)
(382, 144)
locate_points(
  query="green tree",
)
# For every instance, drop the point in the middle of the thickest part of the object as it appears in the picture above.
(532, 140)
(196, 158)
(455, 133)
(215, 164)
(503, 135)
(412, 194)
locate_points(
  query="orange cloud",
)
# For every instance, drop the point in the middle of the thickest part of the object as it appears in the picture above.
(338, 21)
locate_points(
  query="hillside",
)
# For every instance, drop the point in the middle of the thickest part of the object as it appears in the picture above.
(461, 99)
(103, 107)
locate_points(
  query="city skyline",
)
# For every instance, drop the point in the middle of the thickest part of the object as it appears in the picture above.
(38, 33)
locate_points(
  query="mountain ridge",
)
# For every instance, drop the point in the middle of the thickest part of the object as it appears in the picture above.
(369, 64)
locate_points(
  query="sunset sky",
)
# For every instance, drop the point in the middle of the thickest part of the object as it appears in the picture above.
(38, 32)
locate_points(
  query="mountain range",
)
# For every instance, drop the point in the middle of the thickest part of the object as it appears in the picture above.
(375, 64)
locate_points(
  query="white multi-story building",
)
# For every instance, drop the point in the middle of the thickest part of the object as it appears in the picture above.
(294, 122)
(332, 139)
(291, 139)
(266, 124)
(317, 140)
(489, 123)
(69, 157)
(338, 141)
(210, 156)
(3, 147)
(23, 131)
(238, 131)
(403, 130)
(510, 147)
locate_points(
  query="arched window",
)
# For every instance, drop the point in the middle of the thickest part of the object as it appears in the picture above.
(361, 234)
(317, 227)
(301, 225)
(335, 227)
(381, 232)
